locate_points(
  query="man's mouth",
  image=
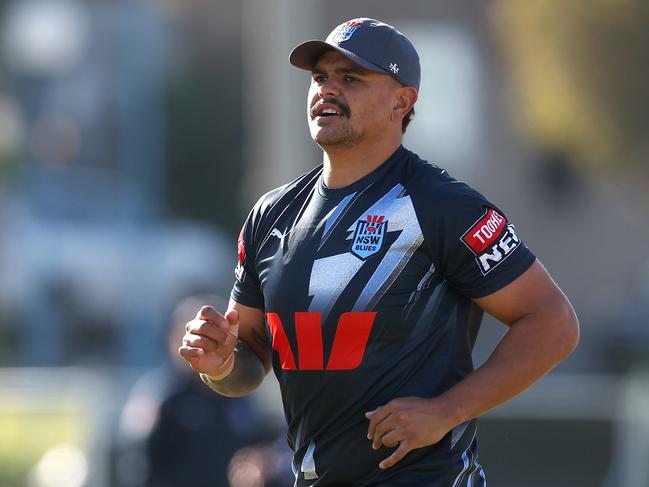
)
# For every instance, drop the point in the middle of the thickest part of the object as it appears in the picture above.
(329, 109)
(328, 112)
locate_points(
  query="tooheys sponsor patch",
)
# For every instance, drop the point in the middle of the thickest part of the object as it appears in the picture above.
(491, 239)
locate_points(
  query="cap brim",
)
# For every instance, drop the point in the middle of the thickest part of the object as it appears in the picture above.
(306, 55)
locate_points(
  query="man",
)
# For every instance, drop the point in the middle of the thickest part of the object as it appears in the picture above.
(363, 283)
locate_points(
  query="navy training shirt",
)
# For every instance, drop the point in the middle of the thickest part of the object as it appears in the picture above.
(367, 293)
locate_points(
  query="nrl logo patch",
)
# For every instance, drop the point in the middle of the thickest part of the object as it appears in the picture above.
(369, 236)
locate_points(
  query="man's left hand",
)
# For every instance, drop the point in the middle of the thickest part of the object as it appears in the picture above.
(410, 422)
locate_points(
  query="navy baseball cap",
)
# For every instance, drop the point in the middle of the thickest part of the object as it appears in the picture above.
(369, 43)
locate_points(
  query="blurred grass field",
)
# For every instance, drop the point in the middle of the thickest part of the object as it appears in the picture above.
(29, 427)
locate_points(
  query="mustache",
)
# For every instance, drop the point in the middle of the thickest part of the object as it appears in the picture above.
(344, 109)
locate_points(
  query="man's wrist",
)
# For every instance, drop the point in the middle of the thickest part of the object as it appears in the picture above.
(224, 371)
(455, 413)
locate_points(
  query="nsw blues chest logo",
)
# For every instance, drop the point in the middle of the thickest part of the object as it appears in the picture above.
(369, 236)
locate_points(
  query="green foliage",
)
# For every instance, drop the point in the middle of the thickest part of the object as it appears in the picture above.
(204, 135)
(581, 75)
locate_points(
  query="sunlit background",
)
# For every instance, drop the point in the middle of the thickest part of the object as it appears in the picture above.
(134, 137)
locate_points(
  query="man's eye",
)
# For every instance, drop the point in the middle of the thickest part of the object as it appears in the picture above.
(319, 79)
(348, 78)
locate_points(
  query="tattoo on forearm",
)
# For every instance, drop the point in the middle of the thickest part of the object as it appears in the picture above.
(247, 374)
(261, 335)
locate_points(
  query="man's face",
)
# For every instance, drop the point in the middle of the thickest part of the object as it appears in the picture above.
(348, 104)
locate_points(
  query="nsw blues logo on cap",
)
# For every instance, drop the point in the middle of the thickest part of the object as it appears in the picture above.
(346, 31)
(371, 44)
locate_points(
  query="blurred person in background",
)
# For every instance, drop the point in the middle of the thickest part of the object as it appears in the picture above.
(263, 465)
(174, 431)
(363, 284)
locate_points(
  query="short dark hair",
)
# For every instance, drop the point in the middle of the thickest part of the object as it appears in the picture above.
(406, 120)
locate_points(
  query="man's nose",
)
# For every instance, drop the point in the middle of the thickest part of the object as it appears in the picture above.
(329, 87)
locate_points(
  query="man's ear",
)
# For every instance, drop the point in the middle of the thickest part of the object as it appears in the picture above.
(405, 99)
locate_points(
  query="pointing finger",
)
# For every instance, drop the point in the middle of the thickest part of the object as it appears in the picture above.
(210, 314)
(199, 341)
(207, 329)
(396, 456)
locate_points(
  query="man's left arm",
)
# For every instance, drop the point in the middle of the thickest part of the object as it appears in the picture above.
(543, 331)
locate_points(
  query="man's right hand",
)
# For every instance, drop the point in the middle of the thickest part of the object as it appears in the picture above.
(209, 342)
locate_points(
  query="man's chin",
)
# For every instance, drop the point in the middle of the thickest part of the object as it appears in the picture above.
(330, 139)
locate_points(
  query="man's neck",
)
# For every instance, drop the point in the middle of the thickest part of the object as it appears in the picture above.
(345, 166)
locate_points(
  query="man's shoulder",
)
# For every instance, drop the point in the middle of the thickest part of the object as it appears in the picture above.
(433, 183)
(287, 191)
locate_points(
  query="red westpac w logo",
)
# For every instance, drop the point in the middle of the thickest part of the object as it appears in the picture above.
(348, 349)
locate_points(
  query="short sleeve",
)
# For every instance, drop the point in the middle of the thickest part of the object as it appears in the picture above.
(247, 290)
(479, 250)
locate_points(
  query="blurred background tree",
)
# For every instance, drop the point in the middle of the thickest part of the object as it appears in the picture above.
(203, 107)
(581, 75)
